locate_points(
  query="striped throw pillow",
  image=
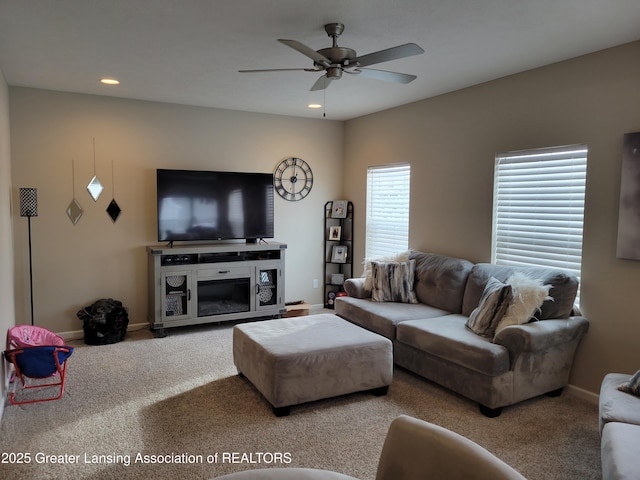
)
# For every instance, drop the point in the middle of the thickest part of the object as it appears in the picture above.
(393, 282)
(494, 302)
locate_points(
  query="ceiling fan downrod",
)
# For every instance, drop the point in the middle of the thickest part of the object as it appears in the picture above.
(334, 30)
(338, 56)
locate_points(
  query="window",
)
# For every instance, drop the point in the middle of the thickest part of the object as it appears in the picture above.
(387, 210)
(538, 207)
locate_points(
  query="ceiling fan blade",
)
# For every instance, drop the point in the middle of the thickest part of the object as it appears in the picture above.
(322, 83)
(309, 52)
(393, 53)
(282, 70)
(386, 76)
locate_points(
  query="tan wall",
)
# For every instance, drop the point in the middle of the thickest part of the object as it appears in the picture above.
(6, 241)
(74, 265)
(451, 142)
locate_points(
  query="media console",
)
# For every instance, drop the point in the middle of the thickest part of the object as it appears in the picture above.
(191, 285)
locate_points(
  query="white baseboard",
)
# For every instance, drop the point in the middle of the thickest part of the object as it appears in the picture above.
(79, 334)
(590, 397)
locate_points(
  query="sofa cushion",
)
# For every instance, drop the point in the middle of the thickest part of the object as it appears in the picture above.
(446, 337)
(528, 296)
(440, 280)
(617, 406)
(382, 317)
(620, 450)
(564, 287)
(367, 274)
(393, 282)
(494, 302)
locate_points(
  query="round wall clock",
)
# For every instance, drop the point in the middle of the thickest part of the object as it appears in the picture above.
(293, 179)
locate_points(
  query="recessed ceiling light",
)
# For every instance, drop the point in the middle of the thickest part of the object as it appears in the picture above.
(109, 81)
(314, 105)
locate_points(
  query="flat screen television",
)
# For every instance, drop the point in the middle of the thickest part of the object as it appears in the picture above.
(206, 205)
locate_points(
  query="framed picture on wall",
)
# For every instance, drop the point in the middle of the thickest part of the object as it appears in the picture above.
(628, 220)
(339, 209)
(335, 232)
(339, 254)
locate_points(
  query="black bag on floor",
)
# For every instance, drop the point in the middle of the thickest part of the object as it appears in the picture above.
(104, 322)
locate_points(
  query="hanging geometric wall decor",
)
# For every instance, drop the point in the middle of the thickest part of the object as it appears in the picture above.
(74, 210)
(629, 210)
(95, 187)
(113, 210)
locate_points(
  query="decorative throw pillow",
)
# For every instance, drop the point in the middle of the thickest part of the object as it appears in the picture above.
(494, 302)
(632, 386)
(396, 257)
(528, 295)
(393, 282)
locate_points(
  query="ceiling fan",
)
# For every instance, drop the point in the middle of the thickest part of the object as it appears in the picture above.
(335, 60)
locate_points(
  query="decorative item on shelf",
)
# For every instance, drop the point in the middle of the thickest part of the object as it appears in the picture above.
(266, 287)
(95, 187)
(335, 232)
(331, 296)
(339, 209)
(339, 254)
(29, 208)
(113, 210)
(74, 210)
(337, 278)
(293, 179)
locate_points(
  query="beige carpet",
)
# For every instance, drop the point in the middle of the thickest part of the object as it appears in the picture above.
(180, 395)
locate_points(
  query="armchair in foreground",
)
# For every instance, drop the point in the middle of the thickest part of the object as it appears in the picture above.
(413, 450)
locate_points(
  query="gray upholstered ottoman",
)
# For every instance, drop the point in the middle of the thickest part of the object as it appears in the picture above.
(302, 359)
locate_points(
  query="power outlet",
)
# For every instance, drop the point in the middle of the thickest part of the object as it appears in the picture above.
(315, 283)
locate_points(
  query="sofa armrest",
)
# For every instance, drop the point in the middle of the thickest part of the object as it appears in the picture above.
(355, 288)
(540, 336)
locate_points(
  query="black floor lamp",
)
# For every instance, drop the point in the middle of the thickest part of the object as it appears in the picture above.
(29, 208)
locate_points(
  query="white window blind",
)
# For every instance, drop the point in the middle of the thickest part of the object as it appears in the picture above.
(538, 207)
(387, 222)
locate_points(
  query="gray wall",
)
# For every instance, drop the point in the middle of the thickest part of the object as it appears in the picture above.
(451, 142)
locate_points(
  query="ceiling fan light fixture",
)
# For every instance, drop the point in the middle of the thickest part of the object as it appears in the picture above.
(334, 72)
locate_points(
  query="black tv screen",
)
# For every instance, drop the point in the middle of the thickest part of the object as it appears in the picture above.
(203, 205)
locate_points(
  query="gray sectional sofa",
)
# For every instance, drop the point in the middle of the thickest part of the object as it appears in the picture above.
(431, 337)
(619, 429)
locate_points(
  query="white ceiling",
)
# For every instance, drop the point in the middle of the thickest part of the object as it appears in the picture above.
(189, 51)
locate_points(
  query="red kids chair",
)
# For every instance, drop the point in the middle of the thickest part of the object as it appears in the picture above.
(39, 358)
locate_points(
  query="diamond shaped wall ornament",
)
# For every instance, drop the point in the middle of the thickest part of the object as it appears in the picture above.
(113, 210)
(74, 211)
(95, 188)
